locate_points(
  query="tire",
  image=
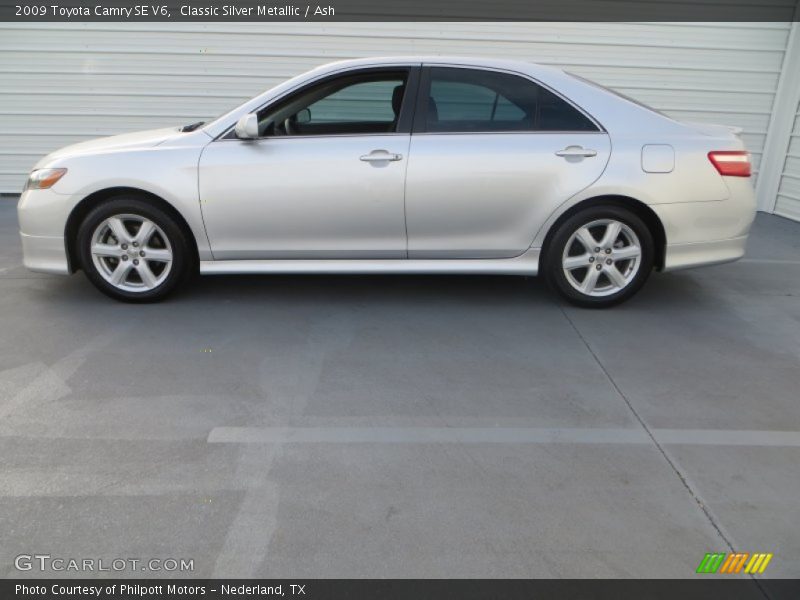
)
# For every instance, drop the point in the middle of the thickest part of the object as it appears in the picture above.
(146, 264)
(597, 279)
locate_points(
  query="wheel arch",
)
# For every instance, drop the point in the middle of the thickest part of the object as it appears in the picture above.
(639, 208)
(80, 210)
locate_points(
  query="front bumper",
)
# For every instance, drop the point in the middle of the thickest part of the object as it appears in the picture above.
(42, 218)
(45, 254)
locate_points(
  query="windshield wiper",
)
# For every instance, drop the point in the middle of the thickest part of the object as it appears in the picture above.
(192, 126)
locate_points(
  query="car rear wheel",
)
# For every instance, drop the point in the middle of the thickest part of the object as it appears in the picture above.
(132, 250)
(599, 257)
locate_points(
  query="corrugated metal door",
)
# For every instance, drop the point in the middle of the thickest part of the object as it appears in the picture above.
(67, 82)
(788, 202)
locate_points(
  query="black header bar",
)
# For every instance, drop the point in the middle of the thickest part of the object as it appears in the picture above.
(398, 10)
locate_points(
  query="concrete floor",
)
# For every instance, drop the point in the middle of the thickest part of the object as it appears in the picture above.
(405, 426)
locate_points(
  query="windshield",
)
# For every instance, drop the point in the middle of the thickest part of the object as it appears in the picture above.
(205, 123)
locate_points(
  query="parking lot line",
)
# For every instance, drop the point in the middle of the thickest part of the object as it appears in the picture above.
(769, 261)
(497, 435)
(732, 437)
(50, 383)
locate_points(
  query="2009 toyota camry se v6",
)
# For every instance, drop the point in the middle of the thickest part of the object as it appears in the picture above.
(399, 165)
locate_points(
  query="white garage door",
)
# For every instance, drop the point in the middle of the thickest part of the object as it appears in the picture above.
(788, 202)
(63, 83)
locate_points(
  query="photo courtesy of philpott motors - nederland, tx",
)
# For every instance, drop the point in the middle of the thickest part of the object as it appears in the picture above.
(123, 589)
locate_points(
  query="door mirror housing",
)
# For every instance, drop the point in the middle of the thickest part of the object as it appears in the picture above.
(247, 127)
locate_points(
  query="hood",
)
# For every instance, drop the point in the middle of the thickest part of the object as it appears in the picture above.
(126, 141)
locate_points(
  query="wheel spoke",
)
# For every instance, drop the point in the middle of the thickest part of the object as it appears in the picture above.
(590, 281)
(117, 227)
(107, 250)
(617, 278)
(576, 262)
(611, 234)
(145, 233)
(148, 278)
(626, 253)
(120, 274)
(158, 254)
(586, 238)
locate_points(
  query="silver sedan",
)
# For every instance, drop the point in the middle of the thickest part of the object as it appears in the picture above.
(399, 165)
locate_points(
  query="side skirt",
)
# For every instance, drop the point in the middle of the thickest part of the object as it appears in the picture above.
(525, 264)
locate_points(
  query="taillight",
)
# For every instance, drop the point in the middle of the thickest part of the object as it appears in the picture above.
(731, 163)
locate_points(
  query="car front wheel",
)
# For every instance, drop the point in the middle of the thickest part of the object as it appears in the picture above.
(132, 250)
(599, 257)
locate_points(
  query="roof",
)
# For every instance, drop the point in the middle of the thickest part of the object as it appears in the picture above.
(496, 63)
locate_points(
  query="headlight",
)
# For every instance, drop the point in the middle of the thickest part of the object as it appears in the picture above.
(42, 179)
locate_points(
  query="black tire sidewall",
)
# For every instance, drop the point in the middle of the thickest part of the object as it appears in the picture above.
(554, 250)
(131, 204)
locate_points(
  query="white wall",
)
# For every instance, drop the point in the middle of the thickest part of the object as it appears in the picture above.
(788, 200)
(67, 82)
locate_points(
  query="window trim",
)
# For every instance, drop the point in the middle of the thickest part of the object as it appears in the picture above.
(404, 122)
(423, 92)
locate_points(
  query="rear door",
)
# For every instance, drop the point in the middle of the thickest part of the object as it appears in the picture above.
(492, 155)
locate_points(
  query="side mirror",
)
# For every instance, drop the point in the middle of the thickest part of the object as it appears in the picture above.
(304, 116)
(247, 127)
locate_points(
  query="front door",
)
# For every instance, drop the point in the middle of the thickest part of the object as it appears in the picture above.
(325, 178)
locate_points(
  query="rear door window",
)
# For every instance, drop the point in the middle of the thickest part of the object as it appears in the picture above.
(474, 100)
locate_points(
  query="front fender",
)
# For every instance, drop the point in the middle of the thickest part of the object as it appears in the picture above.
(168, 173)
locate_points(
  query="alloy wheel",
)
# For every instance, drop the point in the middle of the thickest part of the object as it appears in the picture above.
(131, 252)
(602, 257)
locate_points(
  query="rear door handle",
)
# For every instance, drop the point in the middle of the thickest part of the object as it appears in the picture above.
(578, 151)
(380, 155)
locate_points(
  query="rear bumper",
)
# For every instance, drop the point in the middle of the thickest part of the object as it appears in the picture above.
(684, 256)
(708, 233)
(45, 254)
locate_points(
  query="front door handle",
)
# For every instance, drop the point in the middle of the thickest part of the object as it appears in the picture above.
(576, 151)
(380, 155)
